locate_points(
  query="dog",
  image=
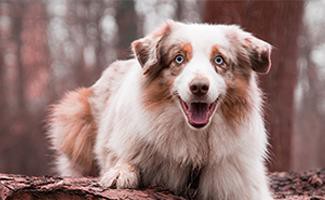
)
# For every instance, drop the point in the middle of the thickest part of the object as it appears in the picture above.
(187, 102)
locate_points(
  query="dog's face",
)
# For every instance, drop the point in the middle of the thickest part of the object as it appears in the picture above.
(201, 68)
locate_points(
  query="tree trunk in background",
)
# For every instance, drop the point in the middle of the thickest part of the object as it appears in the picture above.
(309, 116)
(277, 22)
(126, 19)
(19, 9)
(100, 62)
(21, 129)
(3, 99)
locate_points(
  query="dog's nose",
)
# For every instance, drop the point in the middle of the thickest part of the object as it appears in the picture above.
(199, 86)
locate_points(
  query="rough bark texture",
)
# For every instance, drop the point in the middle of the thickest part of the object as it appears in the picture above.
(25, 187)
(294, 186)
(289, 186)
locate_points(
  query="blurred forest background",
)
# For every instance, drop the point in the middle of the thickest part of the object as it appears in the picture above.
(48, 47)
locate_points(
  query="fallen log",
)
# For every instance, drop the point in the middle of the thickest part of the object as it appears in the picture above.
(298, 186)
(288, 186)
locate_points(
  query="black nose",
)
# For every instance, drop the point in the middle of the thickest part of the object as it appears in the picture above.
(199, 86)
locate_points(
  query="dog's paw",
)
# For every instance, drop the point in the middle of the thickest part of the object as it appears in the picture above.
(121, 177)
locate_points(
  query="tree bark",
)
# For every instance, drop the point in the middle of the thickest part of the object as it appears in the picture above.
(17, 18)
(125, 16)
(20, 187)
(288, 186)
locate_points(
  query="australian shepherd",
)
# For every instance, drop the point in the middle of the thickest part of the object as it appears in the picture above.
(188, 103)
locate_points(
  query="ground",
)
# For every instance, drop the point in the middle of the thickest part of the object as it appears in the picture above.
(285, 186)
(294, 186)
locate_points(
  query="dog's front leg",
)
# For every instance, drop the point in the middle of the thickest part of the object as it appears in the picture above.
(229, 180)
(122, 175)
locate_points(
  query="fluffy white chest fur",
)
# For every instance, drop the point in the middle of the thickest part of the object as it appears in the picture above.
(188, 102)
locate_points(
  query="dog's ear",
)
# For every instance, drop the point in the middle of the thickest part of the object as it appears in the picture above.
(147, 49)
(259, 53)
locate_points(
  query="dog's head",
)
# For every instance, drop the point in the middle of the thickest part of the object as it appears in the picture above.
(201, 68)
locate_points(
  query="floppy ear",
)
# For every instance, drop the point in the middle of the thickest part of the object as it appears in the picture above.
(259, 53)
(147, 49)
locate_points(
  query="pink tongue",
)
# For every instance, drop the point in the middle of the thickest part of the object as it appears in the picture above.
(199, 113)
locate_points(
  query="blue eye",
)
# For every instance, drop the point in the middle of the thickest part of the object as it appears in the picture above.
(179, 59)
(219, 60)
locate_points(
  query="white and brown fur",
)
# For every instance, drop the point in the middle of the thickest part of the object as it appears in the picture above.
(129, 126)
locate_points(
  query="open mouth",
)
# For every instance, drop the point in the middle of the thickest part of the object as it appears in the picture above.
(198, 113)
